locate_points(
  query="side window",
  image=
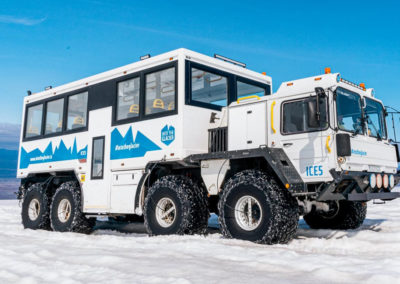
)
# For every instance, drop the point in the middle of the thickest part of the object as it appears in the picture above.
(244, 90)
(349, 113)
(77, 111)
(295, 116)
(128, 98)
(375, 118)
(54, 116)
(34, 121)
(98, 158)
(160, 91)
(209, 88)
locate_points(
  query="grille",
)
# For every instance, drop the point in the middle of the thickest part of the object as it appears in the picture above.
(218, 139)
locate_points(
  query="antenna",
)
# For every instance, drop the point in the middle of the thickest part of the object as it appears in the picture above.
(226, 59)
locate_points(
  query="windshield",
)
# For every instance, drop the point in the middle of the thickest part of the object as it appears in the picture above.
(375, 118)
(349, 113)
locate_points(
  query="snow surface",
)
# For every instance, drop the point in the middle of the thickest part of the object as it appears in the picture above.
(370, 254)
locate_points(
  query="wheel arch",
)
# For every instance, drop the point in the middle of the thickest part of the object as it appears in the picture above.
(155, 171)
(50, 181)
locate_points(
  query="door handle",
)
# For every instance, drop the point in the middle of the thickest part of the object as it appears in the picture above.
(287, 144)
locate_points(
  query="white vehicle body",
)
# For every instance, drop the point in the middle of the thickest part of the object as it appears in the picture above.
(178, 135)
(171, 137)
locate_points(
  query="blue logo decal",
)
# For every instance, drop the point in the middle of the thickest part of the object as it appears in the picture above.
(127, 147)
(168, 134)
(61, 153)
(359, 152)
(314, 171)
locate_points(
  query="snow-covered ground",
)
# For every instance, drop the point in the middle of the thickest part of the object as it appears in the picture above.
(369, 255)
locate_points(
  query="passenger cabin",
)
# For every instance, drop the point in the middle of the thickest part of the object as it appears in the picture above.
(105, 129)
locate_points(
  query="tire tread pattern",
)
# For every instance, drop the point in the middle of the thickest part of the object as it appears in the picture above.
(284, 208)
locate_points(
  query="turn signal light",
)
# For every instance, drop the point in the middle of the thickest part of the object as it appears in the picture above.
(379, 181)
(385, 181)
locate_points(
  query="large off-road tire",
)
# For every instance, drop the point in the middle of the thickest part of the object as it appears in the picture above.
(65, 210)
(35, 208)
(273, 211)
(176, 205)
(344, 215)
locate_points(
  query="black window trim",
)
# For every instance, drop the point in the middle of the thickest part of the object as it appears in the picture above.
(92, 158)
(142, 95)
(384, 118)
(26, 121)
(231, 78)
(266, 87)
(44, 102)
(309, 131)
(80, 129)
(336, 110)
(45, 117)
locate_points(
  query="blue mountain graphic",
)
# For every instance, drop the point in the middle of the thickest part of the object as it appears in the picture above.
(126, 147)
(61, 153)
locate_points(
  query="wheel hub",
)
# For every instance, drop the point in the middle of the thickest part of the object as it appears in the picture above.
(165, 212)
(64, 210)
(248, 213)
(34, 209)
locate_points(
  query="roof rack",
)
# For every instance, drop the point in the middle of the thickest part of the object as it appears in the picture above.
(351, 84)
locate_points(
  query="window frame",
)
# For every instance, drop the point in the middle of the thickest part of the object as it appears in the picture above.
(232, 80)
(45, 117)
(308, 131)
(142, 95)
(384, 117)
(92, 158)
(64, 131)
(188, 79)
(336, 111)
(65, 123)
(129, 119)
(26, 121)
(267, 88)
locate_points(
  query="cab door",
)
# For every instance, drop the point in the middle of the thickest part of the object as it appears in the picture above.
(307, 146)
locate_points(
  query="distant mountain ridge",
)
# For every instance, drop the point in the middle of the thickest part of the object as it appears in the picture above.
(9, 144)
(8, 163)
(9, 136)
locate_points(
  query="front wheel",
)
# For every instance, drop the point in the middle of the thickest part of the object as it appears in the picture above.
(253, 207)
(65, 211)
(343, 215)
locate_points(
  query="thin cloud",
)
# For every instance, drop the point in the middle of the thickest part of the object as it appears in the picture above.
(6, 19)
(213, 42)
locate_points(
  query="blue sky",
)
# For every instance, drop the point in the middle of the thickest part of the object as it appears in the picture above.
(54, 42)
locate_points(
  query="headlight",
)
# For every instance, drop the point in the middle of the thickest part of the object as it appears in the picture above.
(385, 181)
(378, 181)
(391, 181)
(372, 180)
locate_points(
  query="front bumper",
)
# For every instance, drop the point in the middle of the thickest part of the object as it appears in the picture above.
(352, 186)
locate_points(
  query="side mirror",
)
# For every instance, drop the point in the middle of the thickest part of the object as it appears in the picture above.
(314, 114)
(343, 145)
(313, 119)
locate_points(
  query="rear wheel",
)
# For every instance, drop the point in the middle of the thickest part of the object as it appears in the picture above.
(175, 205)
(65, 212)
(343, 215)
(35, 208)
(253, 207)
